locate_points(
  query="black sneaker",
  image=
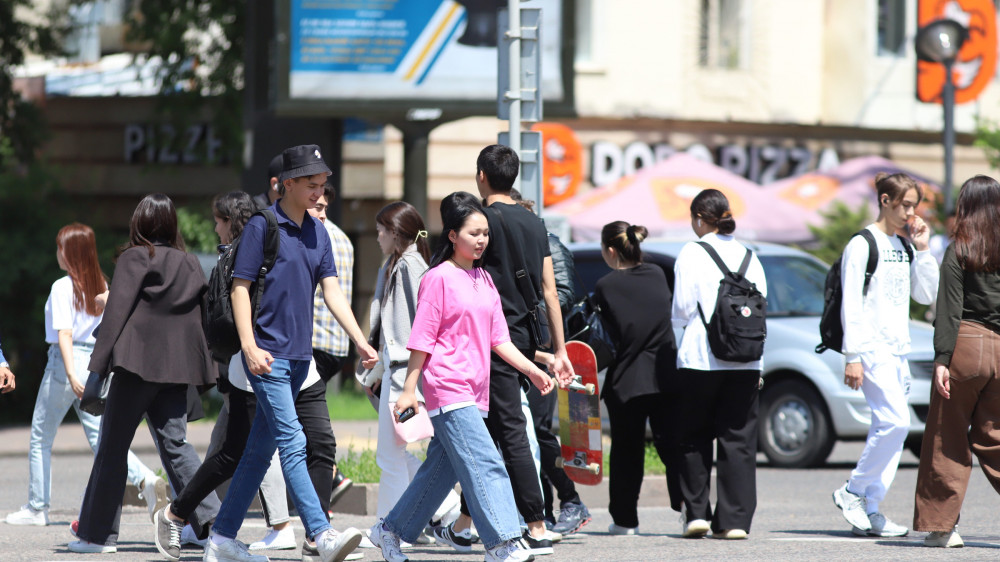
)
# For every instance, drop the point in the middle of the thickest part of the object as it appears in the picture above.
(572, 517)
(461, 542)
(341, 484)
(535, 546)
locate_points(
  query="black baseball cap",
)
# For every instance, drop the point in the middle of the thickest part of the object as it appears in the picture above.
(300, 161)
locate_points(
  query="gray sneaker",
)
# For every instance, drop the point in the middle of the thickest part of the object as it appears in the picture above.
(167, 535)
(231, 550)
(881, 527)
(853, 507)
(572, 517)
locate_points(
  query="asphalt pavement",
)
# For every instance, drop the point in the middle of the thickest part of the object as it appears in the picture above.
(795, 517)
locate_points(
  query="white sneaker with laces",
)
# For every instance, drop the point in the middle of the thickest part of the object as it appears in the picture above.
(28, 516)
(944, 539)
(881, 526)
(388, 542)
(694, 529)
(853, 507)
(276, 540)
(230, 550)
(509, 551)
(334, 546)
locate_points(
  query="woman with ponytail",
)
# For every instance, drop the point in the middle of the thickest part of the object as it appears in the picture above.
(71, 316)
(635, 305)
(718, 400)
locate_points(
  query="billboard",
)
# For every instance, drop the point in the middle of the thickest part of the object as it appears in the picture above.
(383, 57)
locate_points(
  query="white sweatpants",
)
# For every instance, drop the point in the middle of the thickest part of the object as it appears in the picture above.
(886, 386)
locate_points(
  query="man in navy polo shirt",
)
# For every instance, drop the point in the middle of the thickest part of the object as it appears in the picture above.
(277, 351)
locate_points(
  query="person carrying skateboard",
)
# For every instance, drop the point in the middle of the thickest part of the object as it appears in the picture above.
(635, 305)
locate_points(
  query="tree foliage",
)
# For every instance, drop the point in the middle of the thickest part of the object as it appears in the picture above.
(841, 222)
(200, 44)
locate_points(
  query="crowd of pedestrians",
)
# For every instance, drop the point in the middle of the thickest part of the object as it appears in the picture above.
(452, 345)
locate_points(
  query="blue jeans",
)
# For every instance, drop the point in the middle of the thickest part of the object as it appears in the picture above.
(463, 451)
(274, 425)
(55, 398)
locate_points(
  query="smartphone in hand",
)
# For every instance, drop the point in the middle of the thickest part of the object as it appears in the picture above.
(405, 415)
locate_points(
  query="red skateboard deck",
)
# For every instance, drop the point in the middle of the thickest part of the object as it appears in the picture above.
(580, 419)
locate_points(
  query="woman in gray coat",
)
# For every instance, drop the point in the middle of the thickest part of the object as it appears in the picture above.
(403, 240)
(151, 337)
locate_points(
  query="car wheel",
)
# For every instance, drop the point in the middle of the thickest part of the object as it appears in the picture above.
(794, 428)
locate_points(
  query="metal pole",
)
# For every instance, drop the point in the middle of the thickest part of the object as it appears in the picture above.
(514, 94)
(416, 138)
(948, 103)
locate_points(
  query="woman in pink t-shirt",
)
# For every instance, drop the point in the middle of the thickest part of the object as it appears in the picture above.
(459, 321)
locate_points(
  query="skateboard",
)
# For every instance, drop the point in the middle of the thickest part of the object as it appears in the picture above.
(580, 419)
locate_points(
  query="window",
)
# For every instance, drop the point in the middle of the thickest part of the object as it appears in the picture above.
(891, 27)
(722, 34)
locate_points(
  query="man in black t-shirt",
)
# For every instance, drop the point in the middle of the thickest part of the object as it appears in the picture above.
(518, 239)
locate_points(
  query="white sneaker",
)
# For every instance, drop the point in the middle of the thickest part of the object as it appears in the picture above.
(730, 534)
(510, 551)
(189, 538)
(694, 529)
(881, 526)
(84, 547)
(154, 491)
(944, 539)
(625, 531)
(230, 551)
(366, 542)
(28, 516)
(276, 540)
(853, 507)
(388, 542)
(335, 547)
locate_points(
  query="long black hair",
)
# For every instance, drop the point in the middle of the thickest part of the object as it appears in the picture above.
(455, 210)
(154, 221)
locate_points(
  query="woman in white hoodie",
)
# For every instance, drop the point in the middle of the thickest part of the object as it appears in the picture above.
(717, 400)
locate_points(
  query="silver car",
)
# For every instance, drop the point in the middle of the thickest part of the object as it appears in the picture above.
(805, 407)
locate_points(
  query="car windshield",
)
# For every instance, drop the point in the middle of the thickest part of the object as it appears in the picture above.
(795, 285)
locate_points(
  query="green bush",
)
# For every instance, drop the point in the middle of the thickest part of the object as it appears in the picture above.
(198, 231)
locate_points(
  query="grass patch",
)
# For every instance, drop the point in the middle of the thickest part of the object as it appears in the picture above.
(360, 466)
(350, 404)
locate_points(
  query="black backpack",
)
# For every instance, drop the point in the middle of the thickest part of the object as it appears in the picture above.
(738, 327)
(831, 327)
(220, 326)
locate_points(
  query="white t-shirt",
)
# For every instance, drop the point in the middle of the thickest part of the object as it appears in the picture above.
(60, 314)
(696, 281)
(238, 376)
(882, 318)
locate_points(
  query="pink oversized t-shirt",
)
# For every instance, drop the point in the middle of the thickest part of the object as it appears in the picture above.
(459, 320)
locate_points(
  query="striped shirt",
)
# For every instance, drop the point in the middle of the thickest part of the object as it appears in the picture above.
(328, 335)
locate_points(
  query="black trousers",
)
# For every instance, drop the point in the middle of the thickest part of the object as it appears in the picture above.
(628, 451)
(720, 406)
(321, 449)
(508, 428)
(329, 366)
(165, 408)
(542, 408)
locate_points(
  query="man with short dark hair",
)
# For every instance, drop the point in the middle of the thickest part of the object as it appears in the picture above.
(518, 239)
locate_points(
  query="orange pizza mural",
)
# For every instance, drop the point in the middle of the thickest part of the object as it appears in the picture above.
(976, 62)
(562, 162)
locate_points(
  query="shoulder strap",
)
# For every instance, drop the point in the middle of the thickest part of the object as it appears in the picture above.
(872, 258)
(523, 283)
(718, 259)
(907, 245)
(271, 239)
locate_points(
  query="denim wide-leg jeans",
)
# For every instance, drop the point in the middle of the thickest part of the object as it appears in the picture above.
(274, 425)
(463, 451)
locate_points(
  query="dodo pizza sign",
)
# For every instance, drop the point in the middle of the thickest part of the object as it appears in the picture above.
(976, 62)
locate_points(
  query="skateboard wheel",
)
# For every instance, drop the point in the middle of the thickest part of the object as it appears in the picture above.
(560, 462)
(593, 468)
(590, 388)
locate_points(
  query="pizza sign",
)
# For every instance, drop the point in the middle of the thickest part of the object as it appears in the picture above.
(976, 62)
